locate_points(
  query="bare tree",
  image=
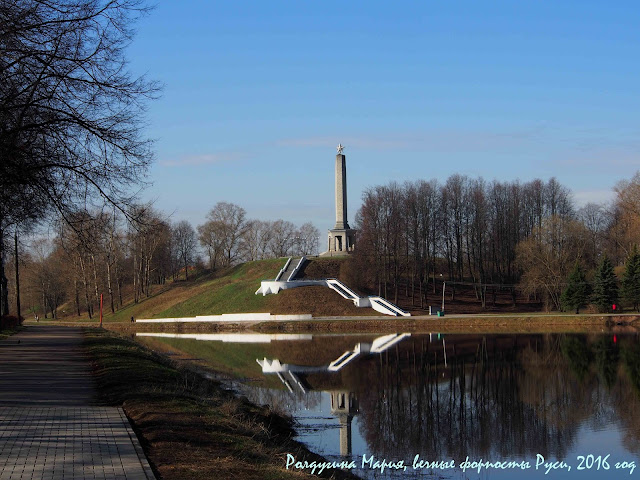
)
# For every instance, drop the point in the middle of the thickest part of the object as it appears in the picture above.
(307, 239)
(222, 233)
(282, 238)
(84, 242)
(627, 215)
(144, 237)
(594, 218)
(557, 199)
(211, 240)
(184, 238)
(548, 255)
(256, 239)
(71, 115)
(48, 276)
(468, 226)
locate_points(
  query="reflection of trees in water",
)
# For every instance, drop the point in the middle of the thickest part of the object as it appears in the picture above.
(499, 401)
(562, 394)
(626, 395)
(498, 397)
(472, 407)
(576, 351)
(631, 360)
(606, 358)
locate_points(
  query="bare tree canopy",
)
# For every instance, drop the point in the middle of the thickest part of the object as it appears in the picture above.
(222, 233)
(184, 239)
(70, 112)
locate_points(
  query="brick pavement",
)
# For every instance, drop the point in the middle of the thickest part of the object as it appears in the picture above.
(50, 428)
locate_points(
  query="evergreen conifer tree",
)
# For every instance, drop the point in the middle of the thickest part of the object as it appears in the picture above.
(605, 287)
(631, 279)
(576, 295)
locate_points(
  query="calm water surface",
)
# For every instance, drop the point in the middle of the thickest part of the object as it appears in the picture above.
(570, 399)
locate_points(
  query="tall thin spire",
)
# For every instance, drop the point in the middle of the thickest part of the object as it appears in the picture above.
(341, 191)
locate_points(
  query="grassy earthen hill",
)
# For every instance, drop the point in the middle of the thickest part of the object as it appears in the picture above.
(232, 290)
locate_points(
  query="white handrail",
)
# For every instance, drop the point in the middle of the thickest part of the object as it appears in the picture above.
(297, 269)
(283, 269)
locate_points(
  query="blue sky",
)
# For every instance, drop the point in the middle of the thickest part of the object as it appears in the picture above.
(258, 94)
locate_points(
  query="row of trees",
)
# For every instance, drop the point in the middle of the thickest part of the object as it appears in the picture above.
(228, 236)
(71, 114)
(104, 252)
(497, 234)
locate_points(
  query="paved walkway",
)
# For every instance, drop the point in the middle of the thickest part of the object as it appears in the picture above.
(49, 426)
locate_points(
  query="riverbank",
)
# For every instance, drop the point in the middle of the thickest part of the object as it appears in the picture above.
(191, 427)
(525, 323)
(7, 332)
(550, 323)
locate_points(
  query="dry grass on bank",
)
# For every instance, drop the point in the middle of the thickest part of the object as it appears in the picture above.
(190, 427)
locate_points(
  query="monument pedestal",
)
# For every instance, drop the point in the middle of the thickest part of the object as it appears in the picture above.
(341, 241)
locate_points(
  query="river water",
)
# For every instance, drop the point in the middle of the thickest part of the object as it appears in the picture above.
(444, 406)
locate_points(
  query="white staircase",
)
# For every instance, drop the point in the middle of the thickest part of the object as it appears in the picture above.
(381, 305)
(286, 280)
(342, 289)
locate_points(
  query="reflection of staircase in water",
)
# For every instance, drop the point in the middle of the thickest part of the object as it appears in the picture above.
(287, 372)
(344, 404)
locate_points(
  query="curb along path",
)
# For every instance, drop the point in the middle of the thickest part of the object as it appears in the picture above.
(49, 426)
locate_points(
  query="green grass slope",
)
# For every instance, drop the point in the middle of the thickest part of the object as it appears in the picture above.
(233, 291)
(228, 291)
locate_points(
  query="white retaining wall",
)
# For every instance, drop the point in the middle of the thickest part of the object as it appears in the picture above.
(233, 337)
(227, 317)
(273, 286)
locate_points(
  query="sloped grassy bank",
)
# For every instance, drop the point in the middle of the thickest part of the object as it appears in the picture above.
(191, 427)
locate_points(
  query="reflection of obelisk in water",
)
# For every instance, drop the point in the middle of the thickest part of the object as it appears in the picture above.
(344, 405)
(341, 237)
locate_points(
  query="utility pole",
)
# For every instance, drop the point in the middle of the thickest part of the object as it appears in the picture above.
(4, 294)
(15, 240)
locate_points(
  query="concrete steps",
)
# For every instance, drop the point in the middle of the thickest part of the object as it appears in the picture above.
(286, 279)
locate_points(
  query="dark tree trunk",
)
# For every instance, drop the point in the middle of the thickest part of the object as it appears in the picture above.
(4, 294)
(15, 239)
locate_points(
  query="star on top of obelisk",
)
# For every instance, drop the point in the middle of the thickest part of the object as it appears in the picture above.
(340, 149)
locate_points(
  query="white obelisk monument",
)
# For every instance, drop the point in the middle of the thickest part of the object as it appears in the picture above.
(341, 237)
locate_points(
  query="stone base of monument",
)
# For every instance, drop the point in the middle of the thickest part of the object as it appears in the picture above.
(341, 241)
(334, 254)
